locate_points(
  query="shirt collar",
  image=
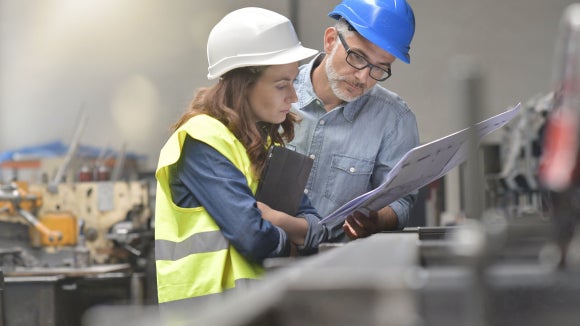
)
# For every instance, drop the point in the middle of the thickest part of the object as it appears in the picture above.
(304, 87)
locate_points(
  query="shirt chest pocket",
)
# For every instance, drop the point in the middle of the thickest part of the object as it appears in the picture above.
(349, 177)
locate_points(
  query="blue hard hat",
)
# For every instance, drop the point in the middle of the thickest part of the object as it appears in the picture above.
(390, 24)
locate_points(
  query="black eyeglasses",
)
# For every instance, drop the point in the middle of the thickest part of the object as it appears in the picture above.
(359, 62)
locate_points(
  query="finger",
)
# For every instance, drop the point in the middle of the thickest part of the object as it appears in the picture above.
(355, 228)
(367, 223)
(352, 229)
(348, 231)
(262, 206)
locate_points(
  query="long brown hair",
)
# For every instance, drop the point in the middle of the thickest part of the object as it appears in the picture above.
(227, 101)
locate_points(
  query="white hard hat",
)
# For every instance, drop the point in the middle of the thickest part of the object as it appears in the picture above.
(252, 37)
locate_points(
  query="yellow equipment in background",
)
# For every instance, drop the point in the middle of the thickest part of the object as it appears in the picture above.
(64, 223)
(17, 201)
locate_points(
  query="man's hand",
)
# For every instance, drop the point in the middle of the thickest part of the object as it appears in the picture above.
(358, 225)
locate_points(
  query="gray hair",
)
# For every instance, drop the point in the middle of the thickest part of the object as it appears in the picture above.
(344, 27)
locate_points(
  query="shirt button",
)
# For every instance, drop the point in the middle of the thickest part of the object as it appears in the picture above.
(321, 122)
(312, 156)
(306, 191)
(352, 170)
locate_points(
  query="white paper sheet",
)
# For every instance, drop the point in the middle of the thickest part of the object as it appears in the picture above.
(421, 166)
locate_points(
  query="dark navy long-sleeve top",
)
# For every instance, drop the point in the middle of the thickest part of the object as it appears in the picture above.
(204, 177)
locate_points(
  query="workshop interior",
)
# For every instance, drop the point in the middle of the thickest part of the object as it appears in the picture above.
(89, 90)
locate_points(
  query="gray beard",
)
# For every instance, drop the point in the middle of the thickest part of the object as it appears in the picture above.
(334, 78)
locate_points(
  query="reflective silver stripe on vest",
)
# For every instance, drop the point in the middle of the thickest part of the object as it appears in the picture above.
(197, 243)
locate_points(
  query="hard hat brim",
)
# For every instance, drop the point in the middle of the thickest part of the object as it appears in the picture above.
(293, 54)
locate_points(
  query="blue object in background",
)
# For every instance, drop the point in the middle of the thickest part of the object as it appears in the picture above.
(58, 148)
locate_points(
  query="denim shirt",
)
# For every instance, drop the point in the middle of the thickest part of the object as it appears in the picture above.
(354, 146)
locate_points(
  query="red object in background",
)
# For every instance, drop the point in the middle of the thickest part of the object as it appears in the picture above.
(558, 163)
(85, 174)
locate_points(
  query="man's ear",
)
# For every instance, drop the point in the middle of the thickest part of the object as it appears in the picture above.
(330, 37)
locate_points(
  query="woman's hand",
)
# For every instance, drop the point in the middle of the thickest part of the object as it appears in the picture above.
(269, 214)
(296, 228)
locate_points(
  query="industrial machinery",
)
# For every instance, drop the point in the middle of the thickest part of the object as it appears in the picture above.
(74, 244)
(95, 218)
(511, 167)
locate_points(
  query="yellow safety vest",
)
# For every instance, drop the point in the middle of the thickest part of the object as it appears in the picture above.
(192, 256)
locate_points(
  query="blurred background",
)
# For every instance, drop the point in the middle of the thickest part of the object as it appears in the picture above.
(108, 78)
(133, 65)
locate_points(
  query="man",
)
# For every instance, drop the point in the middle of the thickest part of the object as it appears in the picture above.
(355, 129)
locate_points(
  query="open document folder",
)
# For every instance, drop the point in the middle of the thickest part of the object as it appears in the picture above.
(422, 165)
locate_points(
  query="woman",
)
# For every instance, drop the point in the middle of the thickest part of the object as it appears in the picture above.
(211, 235)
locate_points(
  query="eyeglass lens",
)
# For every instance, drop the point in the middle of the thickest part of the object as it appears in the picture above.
(359, 62)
